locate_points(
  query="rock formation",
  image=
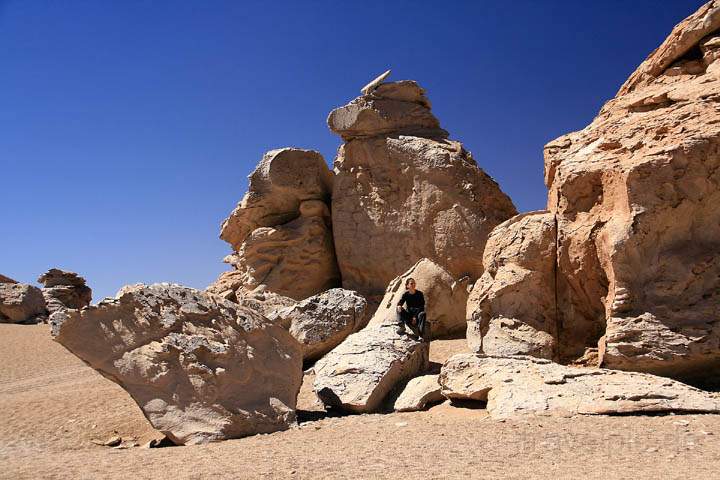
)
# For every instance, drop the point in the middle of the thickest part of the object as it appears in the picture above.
(445, 298)
(64, 289)
(280, 231)
(359, 373)
(530, 386)
(403, 192)
(324, 320)
(21, 303)
(4, 279)
(511, 309)
(201, 368)
(418, 393)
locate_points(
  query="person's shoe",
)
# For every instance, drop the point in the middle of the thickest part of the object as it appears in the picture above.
(400, 330)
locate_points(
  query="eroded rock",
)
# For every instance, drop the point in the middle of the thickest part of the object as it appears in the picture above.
(63, 289)
(418, 393)
(21, 303)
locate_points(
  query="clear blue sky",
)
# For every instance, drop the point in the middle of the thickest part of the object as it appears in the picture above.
(127, 128)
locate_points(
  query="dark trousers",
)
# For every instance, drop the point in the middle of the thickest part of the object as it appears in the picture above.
(405, 317)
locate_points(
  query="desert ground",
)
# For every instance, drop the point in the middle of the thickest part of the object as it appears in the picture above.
(53, 406)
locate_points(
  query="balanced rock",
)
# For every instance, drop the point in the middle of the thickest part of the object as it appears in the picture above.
(445, 298)
(418, 393)
(324, 320)
(519, 386)
(511, 309)
(403, 192)
(359, 373)
(635, 196)
(281, 229)
(21, 303)
(201, 368)
(63, 289)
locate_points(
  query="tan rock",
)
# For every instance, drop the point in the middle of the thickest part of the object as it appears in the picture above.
(511, 309)
(445, 298)
(21, 303)
(63, 289)
(418, 393)
(4, 279)
(358, 374)
(518, 386)
(201, 368)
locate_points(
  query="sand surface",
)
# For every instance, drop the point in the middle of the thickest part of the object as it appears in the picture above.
(52, 405)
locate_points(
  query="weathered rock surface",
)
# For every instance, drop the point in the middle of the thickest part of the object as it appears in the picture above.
(63, 289)
(418, 393)
(403, 192)
(358, 374)
(21, 303)
(511, 309)
(532, 386)
(201, 368)
(281, 230)
(4, 279)
(445, 298)
(322, 321)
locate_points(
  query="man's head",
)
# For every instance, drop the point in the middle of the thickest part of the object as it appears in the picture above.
(410, 285)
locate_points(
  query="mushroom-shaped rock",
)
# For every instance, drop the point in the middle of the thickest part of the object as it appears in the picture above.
(21, 303)
(445, 298)
(418, 393)
(358, 374)
(201, 368)
(511, 309)
(517, 386)
(63, 289)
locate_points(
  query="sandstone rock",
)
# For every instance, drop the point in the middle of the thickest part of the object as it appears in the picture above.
(267, 303)
(21, 303)
(419, 392)
(399, 198)
(375, 82)
(281, 229)
(4, 279)
(322, 321)
(511, 309)
(445, 298)
(358, 374)
(531, 386)
(64, 289)
(200, 368)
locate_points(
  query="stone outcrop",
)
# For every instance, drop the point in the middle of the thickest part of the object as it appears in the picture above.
(201, 368)
(403, 192)
(324, 320)
(445, 298)
(63, 289)
(359, 373)
(418, 393)
(635, 196)
(511, 309)
(21, 303)
(281, 232)
(531, 386)
(4, 279)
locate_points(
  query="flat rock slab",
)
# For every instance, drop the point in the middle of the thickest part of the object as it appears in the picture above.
(418, 393)
(201, 368)
(515, 386)
(358, 374)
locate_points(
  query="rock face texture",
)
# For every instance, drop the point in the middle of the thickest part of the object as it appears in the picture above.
(322, 321)
(201, 368)
(530, 386)
(511, 309)
(359, 373)
(280, 232)
(635, 196)
(403, 192)
(418, 393)
(63, 289)
(21, 303)
(4, 279)
(445, 298)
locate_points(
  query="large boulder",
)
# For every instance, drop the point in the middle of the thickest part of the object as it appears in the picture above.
(403, 192)
(511, 309)
(359, 373)
(281, 230)
(519, 386)
(324, 320)
(635, 196)
(4, 279)
(63, 289)
(21, 303)
(201, 368)
(418, 393)
(445, 298)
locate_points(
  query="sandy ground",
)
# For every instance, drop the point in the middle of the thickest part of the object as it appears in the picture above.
(52, 405)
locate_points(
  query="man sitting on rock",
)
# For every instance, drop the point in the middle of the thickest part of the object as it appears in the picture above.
(413, 315)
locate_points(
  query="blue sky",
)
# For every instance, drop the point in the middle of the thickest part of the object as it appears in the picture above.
(128, 128)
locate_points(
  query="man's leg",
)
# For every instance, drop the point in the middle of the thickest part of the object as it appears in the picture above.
(402, 318)
(423, 327)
